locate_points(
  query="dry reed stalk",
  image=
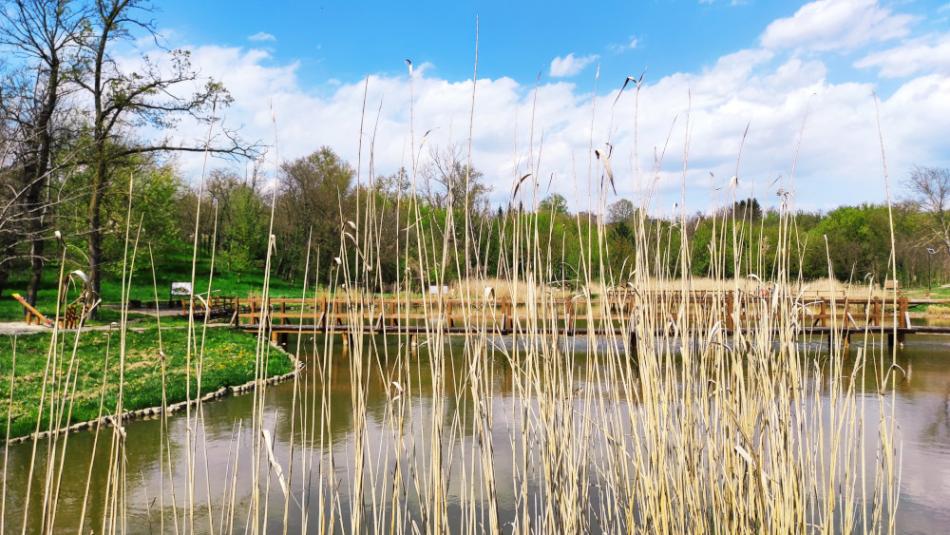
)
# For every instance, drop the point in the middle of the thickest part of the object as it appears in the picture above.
(687, 414)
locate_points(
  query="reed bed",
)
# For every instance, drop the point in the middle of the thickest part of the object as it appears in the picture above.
(687, 421)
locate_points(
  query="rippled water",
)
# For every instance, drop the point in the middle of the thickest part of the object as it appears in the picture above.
(922, 409)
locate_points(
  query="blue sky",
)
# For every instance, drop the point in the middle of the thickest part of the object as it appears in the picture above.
(346, 40)
(723, 64)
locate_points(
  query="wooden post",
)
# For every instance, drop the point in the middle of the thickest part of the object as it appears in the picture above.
(505, 316)
(570, 316)
(902, 316)
(844, 313)
(730, 307)
(326, 314)
(633, 340)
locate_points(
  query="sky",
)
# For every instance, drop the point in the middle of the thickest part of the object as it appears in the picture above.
(786, 96)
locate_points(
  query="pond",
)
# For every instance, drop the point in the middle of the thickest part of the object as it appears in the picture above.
(317, 422)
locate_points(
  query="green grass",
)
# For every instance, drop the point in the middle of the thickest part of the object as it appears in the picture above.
(170, 267)
(934, 293)
(228, 360)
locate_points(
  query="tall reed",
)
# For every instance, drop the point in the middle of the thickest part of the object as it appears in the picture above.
(682, 414)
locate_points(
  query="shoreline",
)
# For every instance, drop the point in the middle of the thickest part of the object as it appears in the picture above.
(148, 413)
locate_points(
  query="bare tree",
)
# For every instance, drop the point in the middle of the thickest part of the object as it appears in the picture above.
(445, 181)
(930, 189)
(147, 97)
(42, 34)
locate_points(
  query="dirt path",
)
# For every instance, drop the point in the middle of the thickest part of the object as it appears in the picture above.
(18, 328)
(12, 328)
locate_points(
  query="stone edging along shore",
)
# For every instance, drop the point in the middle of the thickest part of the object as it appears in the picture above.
(152, 412)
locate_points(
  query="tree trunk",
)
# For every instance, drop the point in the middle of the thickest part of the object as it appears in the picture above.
(6, 253)
(35, 222)
(95, 230)
(39, 178)
(36, 277)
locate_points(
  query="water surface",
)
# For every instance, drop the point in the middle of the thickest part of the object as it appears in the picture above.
(922, 407)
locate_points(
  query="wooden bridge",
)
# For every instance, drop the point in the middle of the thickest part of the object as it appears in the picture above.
(612, 314)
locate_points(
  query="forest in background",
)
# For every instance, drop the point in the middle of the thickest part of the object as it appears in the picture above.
(317, 203)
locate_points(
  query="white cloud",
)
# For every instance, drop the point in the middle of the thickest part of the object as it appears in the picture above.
(623, 47)
(262, 37)
(839, 160)
(929, 54)
(570, 64)
(826, 25)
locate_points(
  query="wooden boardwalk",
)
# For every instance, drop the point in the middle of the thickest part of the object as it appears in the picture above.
(608, 315)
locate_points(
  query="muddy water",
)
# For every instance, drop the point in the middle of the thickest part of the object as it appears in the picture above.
(922, 409)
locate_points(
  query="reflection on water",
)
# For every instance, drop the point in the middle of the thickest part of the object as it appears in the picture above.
(922, 409)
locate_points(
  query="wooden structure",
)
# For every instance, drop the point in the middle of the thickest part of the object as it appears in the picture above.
(31, 315)
(616, 313)
(70, 319)
(217, 306)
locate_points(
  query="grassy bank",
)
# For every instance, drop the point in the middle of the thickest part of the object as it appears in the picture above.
(171, 267)
(228, 360)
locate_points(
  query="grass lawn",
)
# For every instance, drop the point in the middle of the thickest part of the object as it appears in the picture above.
(922, 292)
(170, 267)
(228, 361)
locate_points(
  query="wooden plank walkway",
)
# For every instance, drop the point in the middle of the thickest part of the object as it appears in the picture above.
(607, 315)
(577, 331)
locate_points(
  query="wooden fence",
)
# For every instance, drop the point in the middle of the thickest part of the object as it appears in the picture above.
(731, 310)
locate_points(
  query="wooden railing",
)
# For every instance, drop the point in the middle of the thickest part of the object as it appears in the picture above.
(729, 309)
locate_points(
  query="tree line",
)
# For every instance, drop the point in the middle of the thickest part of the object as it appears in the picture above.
(317, 200)
(320, 212)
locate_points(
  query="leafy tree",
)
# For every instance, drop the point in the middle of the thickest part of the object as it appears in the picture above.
(314, 194)
(156, 190)
(621, 211)
(858, 243)
(747, 209)
(553, 203)
(245, 235)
